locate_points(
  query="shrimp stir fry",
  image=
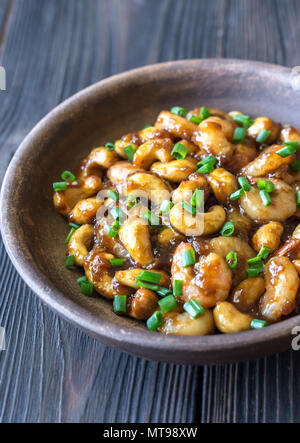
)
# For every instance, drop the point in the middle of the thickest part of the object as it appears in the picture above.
(190, 225)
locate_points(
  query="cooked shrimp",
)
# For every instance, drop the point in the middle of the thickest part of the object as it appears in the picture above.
(267, 162)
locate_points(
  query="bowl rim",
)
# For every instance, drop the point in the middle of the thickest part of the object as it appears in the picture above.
(126, 338)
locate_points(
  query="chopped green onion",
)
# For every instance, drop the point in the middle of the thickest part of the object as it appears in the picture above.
(194, 309)
(152, 277)
(82, 279)
(231, 259)
(204, 113)
(265, 185)
(188, 258)
(263, 136)
(117, 213)
(86, 288)
(178, 110)
(74, 225)
(115, 262)
(239, 135)
(256, 259)
(147, 126)
(70, 235)
(205, 169)
(155, 321)
(70, 261)
(110, 146)
(197, 198)
(264, 252)
(209, 159)
(153, 219)
(60, 186)
(237, 194)
(298, 198)
(120, 303)
(144, 284)
(244, 120)
(179, 151)
(163, 292)
(129, 151)
(245, 185)
(188, 207)
(114, 195)
(290, 148)
(68, 176)
(195, 119)
(258, 324)
(114, 229)
(255, 269)
(165, 207)
(167, 303)
(132, 201)
(295, 166)
(265, 197)
(227, 229)
(177, 288)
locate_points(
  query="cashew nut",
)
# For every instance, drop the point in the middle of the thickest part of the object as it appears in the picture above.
(268, 235)
(185, 190)
(64, 201)
(143, 304)
(98, 159)
(229, 320)
(176, 170)
(247, 293)
(261, 123)
(80, 242)
(290, 134)
(168, 238)
(223, 184)
(85, 211)
(178, 126)
(156, 189)
(176, 323)
(158, 149)
(120, 171)
(129, 277)
(135, 236)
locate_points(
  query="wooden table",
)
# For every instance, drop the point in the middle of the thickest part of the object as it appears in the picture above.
(51, 371)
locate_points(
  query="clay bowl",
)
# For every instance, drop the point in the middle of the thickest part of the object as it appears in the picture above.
(34, 233)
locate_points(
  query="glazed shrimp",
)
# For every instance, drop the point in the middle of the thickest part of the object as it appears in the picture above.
(208, 282)
(267, 162)
(283, 203)
(282, 283)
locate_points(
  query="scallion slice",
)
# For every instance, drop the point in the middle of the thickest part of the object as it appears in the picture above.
(205, 169)
(132, 201)
(265, 197)
(245, 185)
(295, 166)
(155, 321)
(265, 185)
(197, 198)
(86, 288)
(110, 146)
(115, 262)
(166, 207)
(237, 194)
(194, 309)
(70, 235)
(68, 176)
(177, 288)
(231, 259)
(189, 208)
(179, 151)
(114, 195)
(74, 225)
(70, 261)
(204, 113)
(195, 119)
(167, 303)
(188, 258)
(153, 219)
(117, 213)
(298, 198)
(258, 324)
(209, 159)
(244, 120)
(264, 252)
(178, 110)
(114, 229)
(149, 276)
(120, 303)
(263, 136)
(227, 229)
(60, 186)
(239, 135)
(129, 151)
(255, 268)
(290, 148)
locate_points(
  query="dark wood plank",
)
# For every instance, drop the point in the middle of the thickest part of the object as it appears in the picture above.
(51, 371)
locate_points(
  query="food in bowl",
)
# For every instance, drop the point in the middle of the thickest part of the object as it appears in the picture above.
(190, 224)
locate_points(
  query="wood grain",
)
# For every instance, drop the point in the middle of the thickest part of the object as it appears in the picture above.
(52, 372)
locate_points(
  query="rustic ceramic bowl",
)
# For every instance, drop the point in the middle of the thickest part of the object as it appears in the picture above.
(34, 233)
